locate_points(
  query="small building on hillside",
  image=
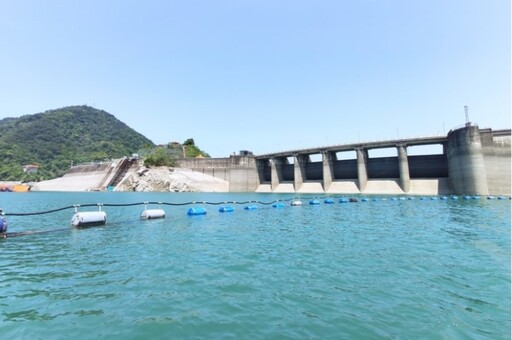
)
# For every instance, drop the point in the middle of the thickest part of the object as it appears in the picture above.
(30, 168)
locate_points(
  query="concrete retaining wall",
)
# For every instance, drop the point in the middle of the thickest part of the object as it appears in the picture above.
(496, 155)
(466, 167)
(479, 161)
(240, 171)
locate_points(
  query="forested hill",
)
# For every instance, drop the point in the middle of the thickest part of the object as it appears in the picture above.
(54, 139)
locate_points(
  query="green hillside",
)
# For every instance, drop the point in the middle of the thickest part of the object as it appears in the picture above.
(55, 139)
(165, 155)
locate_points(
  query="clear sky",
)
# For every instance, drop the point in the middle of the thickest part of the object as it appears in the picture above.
(262, 75)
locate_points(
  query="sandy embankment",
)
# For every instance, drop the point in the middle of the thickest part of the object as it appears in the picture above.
(158, 179)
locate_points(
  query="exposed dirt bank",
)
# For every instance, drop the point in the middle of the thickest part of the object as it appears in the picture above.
(164, 179)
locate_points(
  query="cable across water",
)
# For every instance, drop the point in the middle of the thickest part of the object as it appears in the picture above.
(76, 206)
(99, 205)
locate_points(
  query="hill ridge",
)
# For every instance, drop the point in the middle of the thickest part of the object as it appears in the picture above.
(56, 138)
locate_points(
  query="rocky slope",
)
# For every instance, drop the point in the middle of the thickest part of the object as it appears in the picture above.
(165, 179)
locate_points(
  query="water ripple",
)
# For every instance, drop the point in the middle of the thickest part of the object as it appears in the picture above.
(387, 269)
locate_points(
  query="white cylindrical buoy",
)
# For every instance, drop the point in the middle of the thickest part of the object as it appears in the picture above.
(296, 203)
(88, 218)
(150, 214)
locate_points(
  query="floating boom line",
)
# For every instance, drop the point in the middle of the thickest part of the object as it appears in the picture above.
(75, 206)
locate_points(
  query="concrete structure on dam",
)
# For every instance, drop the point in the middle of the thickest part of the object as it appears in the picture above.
(473, 161)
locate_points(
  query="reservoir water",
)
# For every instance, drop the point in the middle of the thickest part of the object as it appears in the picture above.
(393, 268)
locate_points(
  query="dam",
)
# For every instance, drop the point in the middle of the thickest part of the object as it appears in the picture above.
(473, 161)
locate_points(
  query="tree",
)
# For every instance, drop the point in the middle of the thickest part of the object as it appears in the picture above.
(189, 142)
(159, 158)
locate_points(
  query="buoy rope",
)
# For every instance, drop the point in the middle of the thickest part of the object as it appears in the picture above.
(40, 212)
(75, 206)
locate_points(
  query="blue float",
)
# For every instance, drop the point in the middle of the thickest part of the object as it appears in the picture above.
(251, 207)
(364, 199)
(343, 200)
(328, 201)
(314, 202)
(196, 211)
(226, 209)
(278, 205)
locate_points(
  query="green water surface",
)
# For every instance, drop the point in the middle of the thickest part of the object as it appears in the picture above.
(399, 269)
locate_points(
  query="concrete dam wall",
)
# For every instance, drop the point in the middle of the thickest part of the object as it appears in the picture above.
(479, 161)
(240, 171)
(474, 161)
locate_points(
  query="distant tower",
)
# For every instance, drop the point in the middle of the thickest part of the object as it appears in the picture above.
(466, 110)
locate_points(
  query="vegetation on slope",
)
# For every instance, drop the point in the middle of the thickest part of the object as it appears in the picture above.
(165, 155)
(55, 139)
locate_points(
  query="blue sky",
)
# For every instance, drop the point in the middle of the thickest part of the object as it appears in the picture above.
(262, 75)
